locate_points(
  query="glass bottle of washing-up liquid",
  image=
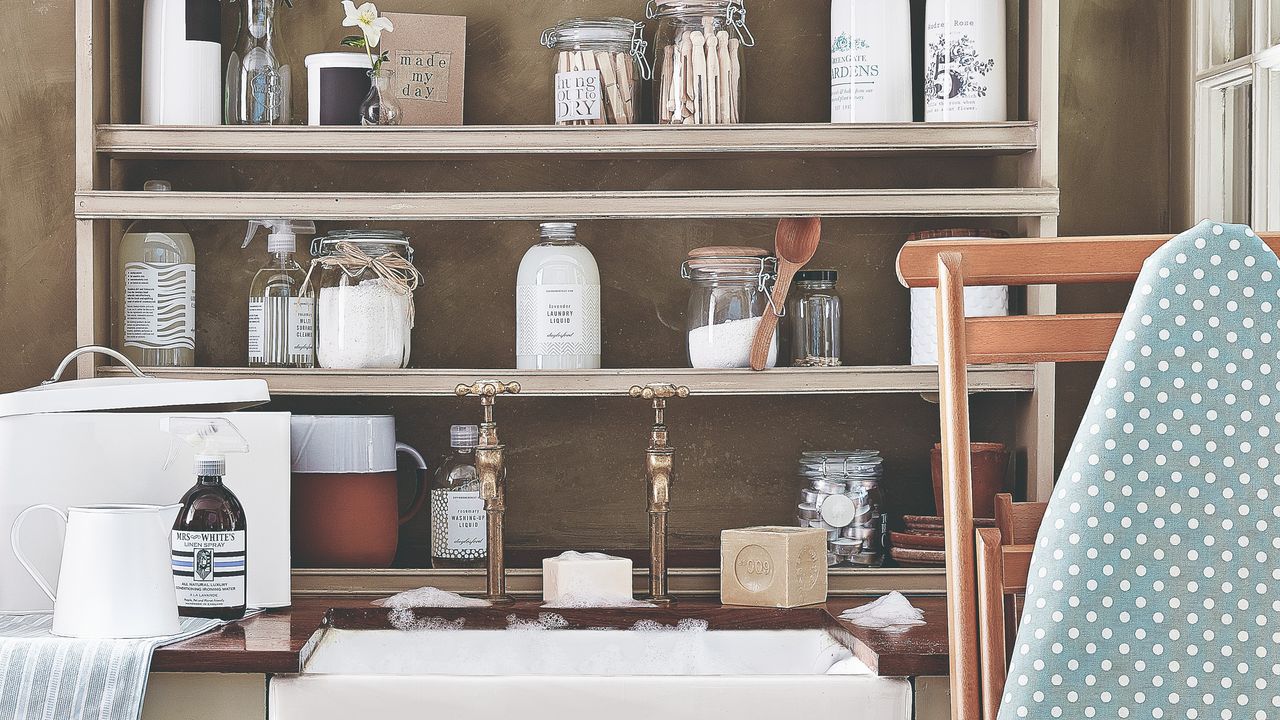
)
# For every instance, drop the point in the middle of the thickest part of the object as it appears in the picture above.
(558, 303)
(458, 520)
(281, 311)
(155, 291)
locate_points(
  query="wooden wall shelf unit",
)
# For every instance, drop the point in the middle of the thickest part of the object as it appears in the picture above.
(608, 141)
(1001, 172)
(613, 382)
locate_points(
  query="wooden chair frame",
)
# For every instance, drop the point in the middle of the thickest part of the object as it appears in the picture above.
(948, 266)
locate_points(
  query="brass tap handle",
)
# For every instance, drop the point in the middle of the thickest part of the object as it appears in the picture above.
(488, 388)
(659, 390)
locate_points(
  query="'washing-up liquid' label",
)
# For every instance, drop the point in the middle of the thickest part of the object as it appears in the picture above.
(160, 305)
(209, 568)
(457, 525)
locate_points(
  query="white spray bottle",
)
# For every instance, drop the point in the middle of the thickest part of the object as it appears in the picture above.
(281, 314)
(210, 564)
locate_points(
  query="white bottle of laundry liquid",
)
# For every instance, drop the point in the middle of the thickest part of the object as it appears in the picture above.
(558, 303)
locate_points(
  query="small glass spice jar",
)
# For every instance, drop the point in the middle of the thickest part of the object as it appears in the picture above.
(599, 65)
(364, 306)
(698, 62)
(730, 295)
(813, 316)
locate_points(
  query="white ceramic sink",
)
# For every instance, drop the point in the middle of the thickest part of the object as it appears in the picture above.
(537, 674)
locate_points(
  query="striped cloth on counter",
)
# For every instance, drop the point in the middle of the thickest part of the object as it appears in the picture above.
(43, 676)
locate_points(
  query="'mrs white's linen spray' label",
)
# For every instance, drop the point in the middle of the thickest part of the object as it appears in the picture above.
(209, 568)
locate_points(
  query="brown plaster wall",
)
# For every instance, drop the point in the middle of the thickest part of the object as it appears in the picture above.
(1115, 178)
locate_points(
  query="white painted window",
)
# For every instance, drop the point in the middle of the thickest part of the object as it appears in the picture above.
(1237, 111)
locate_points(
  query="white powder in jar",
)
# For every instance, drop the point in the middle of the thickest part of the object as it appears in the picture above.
(727, 345)
(363, 326)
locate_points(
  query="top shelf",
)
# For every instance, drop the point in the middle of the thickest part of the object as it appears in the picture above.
(601, 142)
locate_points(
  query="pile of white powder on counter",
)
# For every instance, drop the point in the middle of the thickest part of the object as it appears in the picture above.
(430, 597)
(363, 326)
(727, 345)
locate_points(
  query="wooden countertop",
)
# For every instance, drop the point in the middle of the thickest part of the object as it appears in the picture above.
(272, 642)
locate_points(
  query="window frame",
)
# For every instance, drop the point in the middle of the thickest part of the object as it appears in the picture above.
(1260, 67)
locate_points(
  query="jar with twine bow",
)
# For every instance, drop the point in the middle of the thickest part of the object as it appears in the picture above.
(364, 309)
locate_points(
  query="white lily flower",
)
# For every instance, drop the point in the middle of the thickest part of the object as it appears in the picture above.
(366, 18)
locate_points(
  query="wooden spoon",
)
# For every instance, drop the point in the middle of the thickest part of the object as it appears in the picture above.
(795, 243)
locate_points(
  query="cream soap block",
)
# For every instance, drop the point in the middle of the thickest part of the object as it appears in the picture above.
(773, 566)
(575, 578)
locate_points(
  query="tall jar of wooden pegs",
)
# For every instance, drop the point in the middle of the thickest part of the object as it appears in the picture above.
(698, 60)
(599, 65)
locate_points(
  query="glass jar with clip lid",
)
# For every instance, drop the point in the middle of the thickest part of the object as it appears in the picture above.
(364, 310)
(698, 61)
(730, 293)
(599, 65)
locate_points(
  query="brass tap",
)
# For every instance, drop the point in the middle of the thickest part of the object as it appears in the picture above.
(659, 460)
(493, 484)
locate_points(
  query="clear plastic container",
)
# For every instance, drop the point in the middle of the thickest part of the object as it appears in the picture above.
(728, 298)
(813, 317)
(599, 65)
(364, 308)
(698, 60)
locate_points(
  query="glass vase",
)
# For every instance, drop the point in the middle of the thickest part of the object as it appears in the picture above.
(380, 106)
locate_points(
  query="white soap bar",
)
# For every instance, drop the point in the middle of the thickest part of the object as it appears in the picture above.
(574, 578)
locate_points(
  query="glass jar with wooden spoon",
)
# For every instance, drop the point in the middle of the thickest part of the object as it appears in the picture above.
(599, 65)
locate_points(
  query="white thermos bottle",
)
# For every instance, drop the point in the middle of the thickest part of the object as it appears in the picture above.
(182, 62)
(871, 61)
(964, 61)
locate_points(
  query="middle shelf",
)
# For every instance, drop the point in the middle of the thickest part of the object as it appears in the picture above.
(578, 204)
(611, 382)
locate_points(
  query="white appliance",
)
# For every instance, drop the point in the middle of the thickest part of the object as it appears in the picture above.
(964, 61)
(99, 441)
(871, 61)
(182, 62)
(115, 580)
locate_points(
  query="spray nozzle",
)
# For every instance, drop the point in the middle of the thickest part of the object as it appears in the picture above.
(213, 438)
(282, 234)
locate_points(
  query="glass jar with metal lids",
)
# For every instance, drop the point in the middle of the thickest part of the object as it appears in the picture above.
(599, 65)
(730, 294)
(698, 60)
(813, 317)
(364, 307)
(842, 496)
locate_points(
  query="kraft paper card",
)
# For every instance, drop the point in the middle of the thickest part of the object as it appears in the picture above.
(428, 53)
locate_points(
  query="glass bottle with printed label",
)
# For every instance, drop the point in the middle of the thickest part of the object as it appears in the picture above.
(458, 521)
(281, 310)
(155, 291)
(599, 65)
(558, 303)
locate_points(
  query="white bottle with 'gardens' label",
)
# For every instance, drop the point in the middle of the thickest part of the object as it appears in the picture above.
(156, 299)
(871, 61)
(964, 61)
(558, 304)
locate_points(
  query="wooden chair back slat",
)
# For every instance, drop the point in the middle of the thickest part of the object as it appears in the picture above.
(1019, 523)
(1037, 261)
(991, 619)
(1040, 338)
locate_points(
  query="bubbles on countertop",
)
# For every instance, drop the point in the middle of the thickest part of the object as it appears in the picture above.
(406, 619)
(430, 597)
(545, 621)
(684, 625)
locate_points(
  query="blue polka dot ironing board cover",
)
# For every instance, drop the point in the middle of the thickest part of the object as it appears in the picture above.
(1154, 587)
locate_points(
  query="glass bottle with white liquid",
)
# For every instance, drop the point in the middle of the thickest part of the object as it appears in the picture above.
(155, 291)
(558, 303)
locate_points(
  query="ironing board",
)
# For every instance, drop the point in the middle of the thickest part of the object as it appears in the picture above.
(1154, 587)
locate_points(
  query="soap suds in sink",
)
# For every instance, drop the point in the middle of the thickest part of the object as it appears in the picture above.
(405, 619)
(545, 621)
(430, 597)
(685, 625)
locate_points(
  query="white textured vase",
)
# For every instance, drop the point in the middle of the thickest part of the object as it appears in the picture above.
(987, 301)
(870, 61)
(964, 61)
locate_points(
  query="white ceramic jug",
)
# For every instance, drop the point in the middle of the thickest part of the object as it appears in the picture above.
(115, 580)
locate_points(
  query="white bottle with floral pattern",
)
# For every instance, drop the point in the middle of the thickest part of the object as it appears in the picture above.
(964, 61)
(870, 61)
